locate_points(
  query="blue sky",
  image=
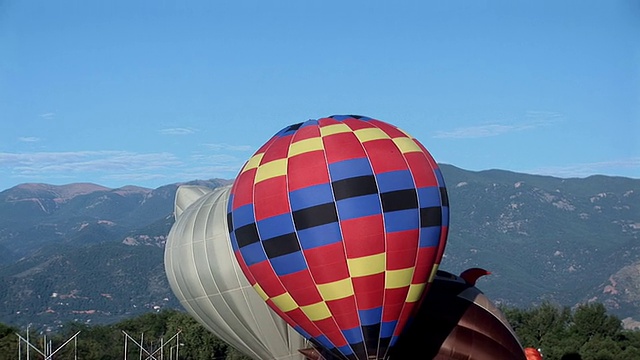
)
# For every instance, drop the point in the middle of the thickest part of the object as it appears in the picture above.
(150, 92)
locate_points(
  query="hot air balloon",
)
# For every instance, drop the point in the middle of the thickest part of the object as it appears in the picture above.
(339, 224)
(457, 321)
(204, 275)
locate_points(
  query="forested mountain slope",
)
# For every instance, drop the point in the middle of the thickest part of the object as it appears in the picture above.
(86, 252)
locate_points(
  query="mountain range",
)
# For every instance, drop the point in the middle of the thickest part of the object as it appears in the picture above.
(85, 252)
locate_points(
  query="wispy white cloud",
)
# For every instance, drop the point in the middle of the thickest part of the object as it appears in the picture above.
(213, 158)
(480, 131)
(84, 161)
(228, 147)
(136, 177)
(207, 166)
(177, 131)
(542, 116)
(533, 119)
(29, 139)
(122, 167)
(48, 116)
(621, 166)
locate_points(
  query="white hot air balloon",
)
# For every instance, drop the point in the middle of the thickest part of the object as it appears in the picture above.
(205, 276)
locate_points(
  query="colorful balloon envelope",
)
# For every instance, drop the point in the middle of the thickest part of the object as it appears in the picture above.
(339, 224)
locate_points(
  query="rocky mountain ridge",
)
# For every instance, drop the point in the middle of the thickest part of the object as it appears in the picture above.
(543, 238)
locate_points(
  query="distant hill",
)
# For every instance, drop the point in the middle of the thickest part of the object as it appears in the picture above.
(68, 252)
(546, 238)
(36, 215)
(88, 253)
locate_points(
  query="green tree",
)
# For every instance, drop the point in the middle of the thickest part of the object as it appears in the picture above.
(586, 333)
(600, 347)
(97, 342)
(198, 342)
(8, 342)
(234, 354)
(592, 319)
(540, 327)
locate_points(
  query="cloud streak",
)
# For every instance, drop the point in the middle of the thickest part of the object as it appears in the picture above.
(82, 161)
(28, 139)
(177, 131)
(122, 167)
(228, 147)
(534, 119)
(481, 131)
(582, 170)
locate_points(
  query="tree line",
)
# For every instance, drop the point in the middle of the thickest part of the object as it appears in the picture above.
(586, 332)
(168, 334)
